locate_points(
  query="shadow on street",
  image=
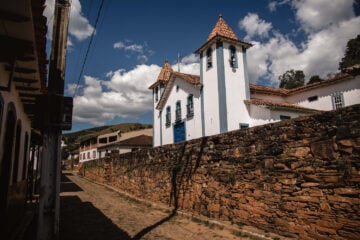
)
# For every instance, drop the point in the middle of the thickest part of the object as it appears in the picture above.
(82, 220)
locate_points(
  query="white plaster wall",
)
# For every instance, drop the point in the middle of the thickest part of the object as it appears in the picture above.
(156, 122)
(261, 115)
(350, 90)
(192, 125)
(235, 90)
(7, 98)
(210, 95)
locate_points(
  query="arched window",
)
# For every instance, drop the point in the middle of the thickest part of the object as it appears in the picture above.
(84, 156)
(26, 143)
(17, 152)
(233, 57)
(94, 154)
(209, 58)
(178, 112)
(168, 116)
(190, 106)
(88, 155)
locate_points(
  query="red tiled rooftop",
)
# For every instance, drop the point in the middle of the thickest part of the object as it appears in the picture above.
(192, 79)
(221, 28)
(261, 102)
(164, 75)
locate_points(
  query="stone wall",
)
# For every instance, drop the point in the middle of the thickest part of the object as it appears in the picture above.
(299, 178)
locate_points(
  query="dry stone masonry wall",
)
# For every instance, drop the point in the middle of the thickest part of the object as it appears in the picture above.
(299, 178)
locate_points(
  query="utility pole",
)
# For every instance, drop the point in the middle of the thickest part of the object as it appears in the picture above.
(49, 207)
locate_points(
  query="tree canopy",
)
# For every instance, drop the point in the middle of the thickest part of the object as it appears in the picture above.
(314, 79)
(292, 79)
(352, 54)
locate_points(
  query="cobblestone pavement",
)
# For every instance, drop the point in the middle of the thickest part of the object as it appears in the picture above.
(91, 211)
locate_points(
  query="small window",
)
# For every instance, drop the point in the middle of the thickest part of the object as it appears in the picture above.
(112, 138)
(178, 112)
(312, 98)
(94, 154)
(177, 88)
(244, 125)
(338, 100)
(190, 106)
(156, 94)
(84, 156)
(88, 155)
(233, 58)
(209, 58)
(283, 117)
(168, 116)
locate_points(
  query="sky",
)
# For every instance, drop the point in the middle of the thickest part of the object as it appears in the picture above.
(132, 39)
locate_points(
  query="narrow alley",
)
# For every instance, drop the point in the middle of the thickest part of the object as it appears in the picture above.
(92, 211)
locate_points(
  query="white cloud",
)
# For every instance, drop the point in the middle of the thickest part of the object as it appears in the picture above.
(274, 4)
(254, 26)
(79, 26)
(191, 58)
(123, 94)
(319, 54)
(142, 52)
(316, 15)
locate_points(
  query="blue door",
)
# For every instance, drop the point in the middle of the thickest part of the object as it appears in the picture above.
(179, 132)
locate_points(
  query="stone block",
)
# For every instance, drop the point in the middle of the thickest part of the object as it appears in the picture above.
(213, 208)
(323, 149)
(288, 181)
(347, 191)
(328, 224)
(309, 184)
(324, 205)
(336, 198)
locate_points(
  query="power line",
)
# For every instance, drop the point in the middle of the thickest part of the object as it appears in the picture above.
(89, 46)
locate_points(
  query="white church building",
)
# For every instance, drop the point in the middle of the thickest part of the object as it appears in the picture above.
(221, 99)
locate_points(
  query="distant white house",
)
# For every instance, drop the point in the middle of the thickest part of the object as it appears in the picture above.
(96, 147)
(221, 99)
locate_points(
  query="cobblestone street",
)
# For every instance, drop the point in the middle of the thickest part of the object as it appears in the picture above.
(92, 211)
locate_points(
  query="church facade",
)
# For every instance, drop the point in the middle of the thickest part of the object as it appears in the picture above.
(221, 98)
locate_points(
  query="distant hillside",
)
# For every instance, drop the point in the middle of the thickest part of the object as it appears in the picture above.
(77, 137)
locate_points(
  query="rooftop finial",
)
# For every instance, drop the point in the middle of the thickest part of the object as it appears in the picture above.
(220, 15)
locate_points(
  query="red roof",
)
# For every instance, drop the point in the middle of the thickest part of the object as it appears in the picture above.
(281, 105)
(222, 31)
(221, 28)
(287, 92)
(164, 75)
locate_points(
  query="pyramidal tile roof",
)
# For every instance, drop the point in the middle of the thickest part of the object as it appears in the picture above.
(165, 72)
(222, 29)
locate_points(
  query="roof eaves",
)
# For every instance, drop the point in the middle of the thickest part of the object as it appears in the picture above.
(219, 37)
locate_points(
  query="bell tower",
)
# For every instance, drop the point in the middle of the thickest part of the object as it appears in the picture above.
(223, 73)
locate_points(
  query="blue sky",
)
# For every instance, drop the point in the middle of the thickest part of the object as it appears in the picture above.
(134, 37)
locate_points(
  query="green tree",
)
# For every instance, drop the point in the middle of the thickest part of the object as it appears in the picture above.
(292, 79)
(352, 54)
(314, 79)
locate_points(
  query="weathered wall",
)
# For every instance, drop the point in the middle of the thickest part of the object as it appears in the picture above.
(299, 177)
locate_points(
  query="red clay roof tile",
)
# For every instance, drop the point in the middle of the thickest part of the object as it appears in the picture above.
(221, 28)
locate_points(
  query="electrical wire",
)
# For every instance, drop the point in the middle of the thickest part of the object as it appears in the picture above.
(89, 46)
